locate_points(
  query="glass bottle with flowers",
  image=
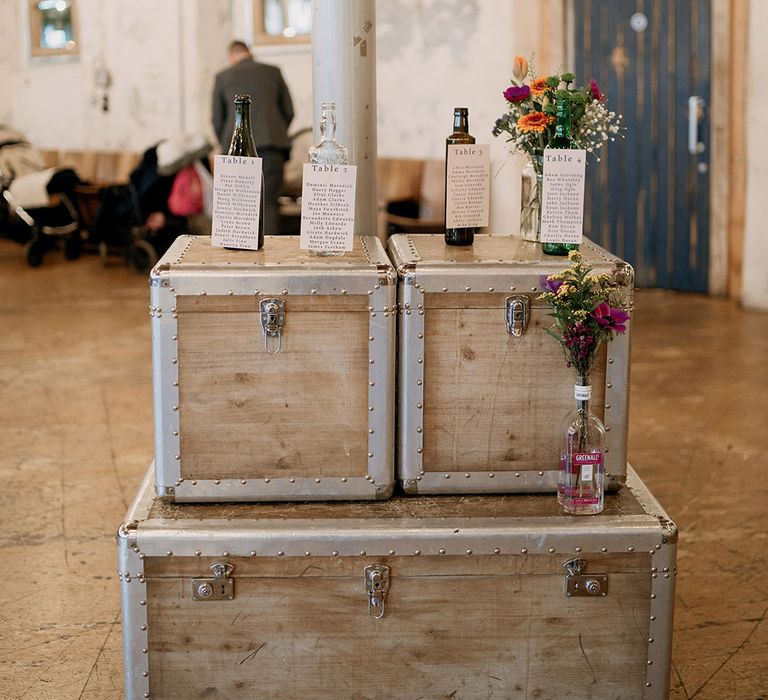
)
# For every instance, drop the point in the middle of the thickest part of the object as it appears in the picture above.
(588, 310)
(529, 123)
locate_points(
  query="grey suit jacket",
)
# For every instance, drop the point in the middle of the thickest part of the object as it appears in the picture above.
(271, 105)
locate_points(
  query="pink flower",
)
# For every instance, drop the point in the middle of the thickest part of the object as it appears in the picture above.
(594, 90)
(609, 318)
(517, 94)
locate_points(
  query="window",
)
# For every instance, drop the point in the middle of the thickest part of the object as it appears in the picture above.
(53, 28)
(282, 21)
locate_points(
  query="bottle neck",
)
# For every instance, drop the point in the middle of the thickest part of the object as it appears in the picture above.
(461, 121)
(328, 125)
(563, 120)
(582, 392)
(242, 135)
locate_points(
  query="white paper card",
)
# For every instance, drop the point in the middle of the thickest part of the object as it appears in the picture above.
(236, 202)
(587, 471)
(328, 208)
(468, 186)
(562, 212)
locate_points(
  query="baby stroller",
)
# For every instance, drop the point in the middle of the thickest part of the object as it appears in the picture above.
(37, 205)
(135, 219)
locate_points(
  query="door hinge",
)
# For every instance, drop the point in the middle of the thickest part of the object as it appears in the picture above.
(517, 314)
(578, 583)
(377, 585)
(272, 322)
(217, 587)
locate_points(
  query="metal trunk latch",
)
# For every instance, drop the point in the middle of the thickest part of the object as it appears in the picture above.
(272, 322)
(517, 313)
(578, 583)
(217, 587)
(377, 585)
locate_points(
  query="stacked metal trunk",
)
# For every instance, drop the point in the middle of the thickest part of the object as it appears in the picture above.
(277, 548)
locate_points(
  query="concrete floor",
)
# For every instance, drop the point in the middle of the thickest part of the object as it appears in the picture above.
(76, 436)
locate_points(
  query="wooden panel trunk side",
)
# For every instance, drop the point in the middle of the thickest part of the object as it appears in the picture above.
(469, 628)
(246, 413)
(491, 400)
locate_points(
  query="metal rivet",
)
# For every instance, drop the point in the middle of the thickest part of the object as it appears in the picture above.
(469, 551)
(292, 480)
(194, 482)
(307, 554)
(143, 628)
(630, 549)
(197, 552)
(419, 450)
(541, 473)
(419, 405)
(280, 553)
(419, 382)
(267, 480)
(225, 554)
(650, 662)
(335, 553)
(517, 474)
(490, 289)
(607, 406)
(284, 291)
(217, 481)
(653, 618)
(243, 482)
(175, 408)
(391, 552)
(512, 289)
(419, 429)
(533, 289)
(417, 552)
(441, 551)
(420, 336)
(253, 552)
(370, 455)
(497, 550)
(343, 291)
(524, 551)
(370, 362)
(177, 458)
(343, 479)
(467, 475)
(142, 602)
(609, 385)
(370, 431)
(203, 292)
(447, 476)
(648, 684)
(313, 291)
(377, 286)
(468, 289)
(491, 475)
(371, 338)
(370, 408)
(607, 428)
(650, 640)
(445, 289)
(653, 596)
(368, 477)
(420, 360)
(603, 549)
(145, 674)
(610, 360)
(551, 550)
(169, 553)
(578, 549)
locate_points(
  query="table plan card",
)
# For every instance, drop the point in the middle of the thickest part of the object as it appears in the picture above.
(562, 206)
(328, 208)
(236, 202)
(468, 186)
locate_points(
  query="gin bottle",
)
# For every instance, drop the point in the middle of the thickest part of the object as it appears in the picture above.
(329, 151)
(460, 135)
(561, 139)
(582, 450)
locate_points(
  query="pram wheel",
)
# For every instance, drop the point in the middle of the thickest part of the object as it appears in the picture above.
(33, 252)
(72, 246)
(141, 256)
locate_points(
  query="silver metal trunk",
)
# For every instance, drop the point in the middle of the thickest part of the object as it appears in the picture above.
(481, 400)
(466, 596)
(273, 372)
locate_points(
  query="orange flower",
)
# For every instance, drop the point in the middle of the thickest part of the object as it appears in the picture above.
(539, 86)
(520, 67)
(533, 121)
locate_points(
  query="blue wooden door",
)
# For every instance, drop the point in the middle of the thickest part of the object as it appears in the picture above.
(647, 198)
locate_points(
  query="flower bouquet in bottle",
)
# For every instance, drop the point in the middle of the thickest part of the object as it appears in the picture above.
(588, 310)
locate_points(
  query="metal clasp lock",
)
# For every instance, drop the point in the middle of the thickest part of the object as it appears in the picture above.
(272, 322)
(218, 587)
(517, 313)
(578, 583)
(377, 585)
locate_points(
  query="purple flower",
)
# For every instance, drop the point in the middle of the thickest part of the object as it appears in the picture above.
(594, 90)
(517, 94)
(551, 285)
(612, 319)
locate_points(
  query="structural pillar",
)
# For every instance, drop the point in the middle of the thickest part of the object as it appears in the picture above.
(344, 72)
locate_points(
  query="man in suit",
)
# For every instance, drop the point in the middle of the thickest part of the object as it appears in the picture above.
(271, 114)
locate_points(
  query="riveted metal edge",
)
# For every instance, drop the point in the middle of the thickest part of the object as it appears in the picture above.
(661, 620)
(133, 603)
(165, 376)
(381, 390)
(410, 384)
(305, 488)
(520, 481)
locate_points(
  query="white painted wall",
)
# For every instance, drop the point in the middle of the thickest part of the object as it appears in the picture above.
(754, 293)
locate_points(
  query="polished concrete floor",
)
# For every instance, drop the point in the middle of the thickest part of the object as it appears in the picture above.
(76, 436)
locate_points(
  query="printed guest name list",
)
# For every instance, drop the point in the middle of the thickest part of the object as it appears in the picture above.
(236, 202)
(468, 186)
(562, 206)
(328, 208)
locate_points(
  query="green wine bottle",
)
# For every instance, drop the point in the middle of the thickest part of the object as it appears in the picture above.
(460, 135)
(561, 139)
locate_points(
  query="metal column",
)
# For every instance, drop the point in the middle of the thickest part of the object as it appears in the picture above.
(344, 72)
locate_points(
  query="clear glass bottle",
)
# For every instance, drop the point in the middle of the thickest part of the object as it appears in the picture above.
(460, 135)
(329, 151)
(561, 139)
(530, 199)
(580, 489)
